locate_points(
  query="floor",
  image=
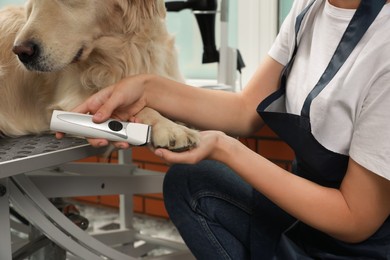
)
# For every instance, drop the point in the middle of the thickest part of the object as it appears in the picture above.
(101, 217)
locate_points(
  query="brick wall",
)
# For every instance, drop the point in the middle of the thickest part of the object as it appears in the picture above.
(265, 142)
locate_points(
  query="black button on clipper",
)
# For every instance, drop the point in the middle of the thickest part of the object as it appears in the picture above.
(115, 126)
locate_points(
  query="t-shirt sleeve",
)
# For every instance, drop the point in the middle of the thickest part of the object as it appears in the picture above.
(370, 145)
(280, 50)
(284, 42)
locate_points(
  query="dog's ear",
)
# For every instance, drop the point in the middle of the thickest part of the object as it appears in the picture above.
(144, 8)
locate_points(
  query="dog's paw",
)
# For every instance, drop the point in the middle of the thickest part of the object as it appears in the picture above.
(174, 137)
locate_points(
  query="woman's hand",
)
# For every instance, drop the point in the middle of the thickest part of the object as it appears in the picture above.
(213, 145)
(122, 101)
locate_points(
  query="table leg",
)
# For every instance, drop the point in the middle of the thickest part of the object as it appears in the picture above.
(5, 237)
(126, 201)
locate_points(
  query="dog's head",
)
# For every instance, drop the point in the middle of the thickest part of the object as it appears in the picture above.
(61, 32)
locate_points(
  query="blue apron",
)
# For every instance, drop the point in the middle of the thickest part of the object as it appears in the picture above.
(273, 228)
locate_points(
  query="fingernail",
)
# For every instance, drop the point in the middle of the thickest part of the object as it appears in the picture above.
(102, 144)
(159, 153)
(98, 116)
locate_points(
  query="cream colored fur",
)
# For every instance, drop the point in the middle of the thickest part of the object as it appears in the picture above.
(118, 38)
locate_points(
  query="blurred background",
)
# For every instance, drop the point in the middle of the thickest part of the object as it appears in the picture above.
(253, 25)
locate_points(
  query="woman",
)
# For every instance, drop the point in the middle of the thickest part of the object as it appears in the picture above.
(331, 105)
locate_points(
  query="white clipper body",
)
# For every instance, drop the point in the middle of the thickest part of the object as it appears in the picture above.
(112, 130)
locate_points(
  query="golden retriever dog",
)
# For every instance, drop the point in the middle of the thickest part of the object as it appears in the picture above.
(54, 54)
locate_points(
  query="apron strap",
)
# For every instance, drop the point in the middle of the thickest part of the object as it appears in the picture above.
(360, 22)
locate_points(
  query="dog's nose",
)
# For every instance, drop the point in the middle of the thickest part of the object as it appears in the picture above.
(26, 51)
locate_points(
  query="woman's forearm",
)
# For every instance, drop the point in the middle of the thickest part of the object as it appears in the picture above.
(199, 107)
(232, 113)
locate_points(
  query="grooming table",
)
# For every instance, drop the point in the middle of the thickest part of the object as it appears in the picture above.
(34, 169)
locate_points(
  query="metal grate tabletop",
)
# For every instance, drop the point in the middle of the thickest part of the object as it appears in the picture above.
(29, 153)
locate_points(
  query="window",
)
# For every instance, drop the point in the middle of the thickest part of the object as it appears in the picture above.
(252, 29)
(10, 2)
(184, 27)
(284, 8)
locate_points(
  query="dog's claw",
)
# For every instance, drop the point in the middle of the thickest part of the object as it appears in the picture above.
(179, 149)
(182, 149)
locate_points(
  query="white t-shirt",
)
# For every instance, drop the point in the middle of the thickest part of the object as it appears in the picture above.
(351, 115)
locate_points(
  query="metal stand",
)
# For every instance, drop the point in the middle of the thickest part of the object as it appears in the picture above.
(33, 169)
(227, 66)
(5, 237)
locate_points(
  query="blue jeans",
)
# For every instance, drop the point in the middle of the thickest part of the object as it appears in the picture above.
(212, 207)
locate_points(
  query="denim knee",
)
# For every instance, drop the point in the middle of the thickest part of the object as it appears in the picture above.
(204, 203)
